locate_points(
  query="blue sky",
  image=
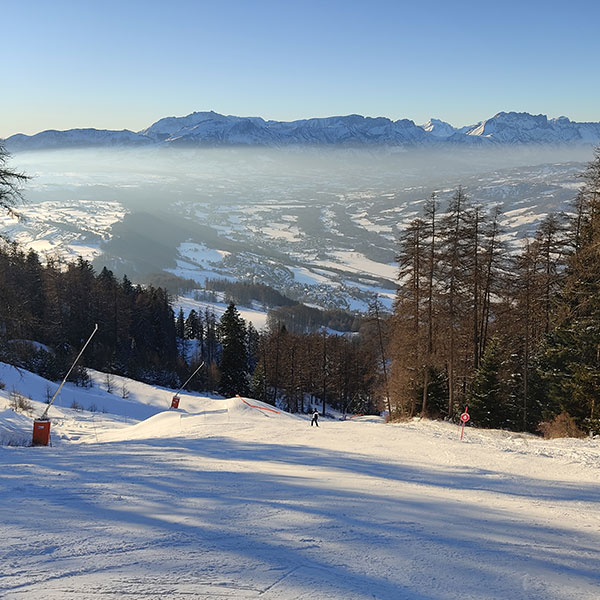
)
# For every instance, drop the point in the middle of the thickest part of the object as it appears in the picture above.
(125, 64)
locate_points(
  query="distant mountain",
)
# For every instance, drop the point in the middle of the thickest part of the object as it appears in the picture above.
(214, 129)
(74, 138)
(202, 128)
(514, 128)
(439, 128)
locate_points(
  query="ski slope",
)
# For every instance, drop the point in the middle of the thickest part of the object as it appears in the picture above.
(224, 498)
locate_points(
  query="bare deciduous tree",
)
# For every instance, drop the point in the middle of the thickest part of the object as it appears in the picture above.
(10, 185)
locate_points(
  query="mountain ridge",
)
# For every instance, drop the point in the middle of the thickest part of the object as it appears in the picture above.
(208, 128)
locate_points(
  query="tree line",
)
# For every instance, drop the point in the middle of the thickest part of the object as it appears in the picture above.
(246, 292)
(514, 333)
(57, 306)
(294, 370)
(47, 311)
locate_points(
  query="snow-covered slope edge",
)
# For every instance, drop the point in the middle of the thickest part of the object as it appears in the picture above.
(146, 413)
(116, 408)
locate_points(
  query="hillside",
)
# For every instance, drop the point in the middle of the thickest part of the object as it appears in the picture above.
(222, 499)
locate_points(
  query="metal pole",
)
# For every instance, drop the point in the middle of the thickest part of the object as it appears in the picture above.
(43, 417)
(189, 378)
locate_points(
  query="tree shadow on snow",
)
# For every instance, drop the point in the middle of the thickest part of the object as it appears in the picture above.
(379, 529)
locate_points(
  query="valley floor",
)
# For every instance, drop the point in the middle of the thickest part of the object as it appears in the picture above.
(230, 501)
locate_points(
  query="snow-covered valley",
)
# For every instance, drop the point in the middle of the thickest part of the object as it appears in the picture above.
(321, 226)
(224, 499)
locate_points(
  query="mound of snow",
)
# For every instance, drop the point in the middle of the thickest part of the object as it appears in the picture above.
(15, 428)
(222, 414)
(101, 414)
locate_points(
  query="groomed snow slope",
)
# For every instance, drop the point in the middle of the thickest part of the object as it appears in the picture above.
(224, 500)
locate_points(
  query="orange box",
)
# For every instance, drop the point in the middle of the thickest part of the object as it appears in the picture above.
(41, 432)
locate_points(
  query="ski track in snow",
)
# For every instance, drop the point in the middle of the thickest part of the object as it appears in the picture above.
(222, 500)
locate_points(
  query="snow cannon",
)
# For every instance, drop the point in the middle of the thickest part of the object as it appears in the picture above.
(175, 400)
(41, 426)
(41, 432)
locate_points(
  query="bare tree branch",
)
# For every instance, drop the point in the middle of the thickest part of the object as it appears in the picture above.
(10, 186)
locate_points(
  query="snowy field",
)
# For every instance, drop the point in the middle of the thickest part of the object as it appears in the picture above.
(257, 317)
(224, 499)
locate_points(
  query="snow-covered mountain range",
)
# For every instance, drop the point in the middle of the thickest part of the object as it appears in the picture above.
(214, 129)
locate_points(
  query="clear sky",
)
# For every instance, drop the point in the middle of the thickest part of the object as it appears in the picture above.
(127, 63)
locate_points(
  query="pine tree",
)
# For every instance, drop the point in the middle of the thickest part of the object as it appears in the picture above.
(234, 353)
(253, 350)
(210, 335)
(486, 398)
(258, 386)
(571, 360)
(494, 278)
(408, 365)
(180, 325)
(453, 289)
(430, 210)
(552, 249)
(191, 326)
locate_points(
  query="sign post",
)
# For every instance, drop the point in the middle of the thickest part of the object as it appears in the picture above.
(464, 418)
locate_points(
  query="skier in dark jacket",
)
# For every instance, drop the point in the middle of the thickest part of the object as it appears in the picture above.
(315, 419)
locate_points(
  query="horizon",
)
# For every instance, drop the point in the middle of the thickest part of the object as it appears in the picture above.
(114, 66)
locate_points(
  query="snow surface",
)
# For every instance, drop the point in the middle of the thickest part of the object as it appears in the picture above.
(224, 499)
(200, 255)
(359, 263)
(63, 229)
(257, 317)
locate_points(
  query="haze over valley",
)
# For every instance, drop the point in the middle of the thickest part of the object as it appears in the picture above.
(318, 224)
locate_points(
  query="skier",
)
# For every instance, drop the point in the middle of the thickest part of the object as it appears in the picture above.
(315, 418)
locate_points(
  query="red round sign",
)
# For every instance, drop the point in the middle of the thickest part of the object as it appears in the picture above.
(464, 417)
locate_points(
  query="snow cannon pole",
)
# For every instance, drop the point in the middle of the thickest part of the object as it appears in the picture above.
(175, 400)
(45, 415)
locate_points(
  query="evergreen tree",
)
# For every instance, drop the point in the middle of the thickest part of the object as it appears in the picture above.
(253, 349)
(486, 398)
(234, 353)
(436, 400)
(258, 386)
(454, 292)
(106, 341)
(429, 366)
(181, 337)
(571, 360)
(210, 335)
(552, 251)
(180, 325)
(192, 326)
